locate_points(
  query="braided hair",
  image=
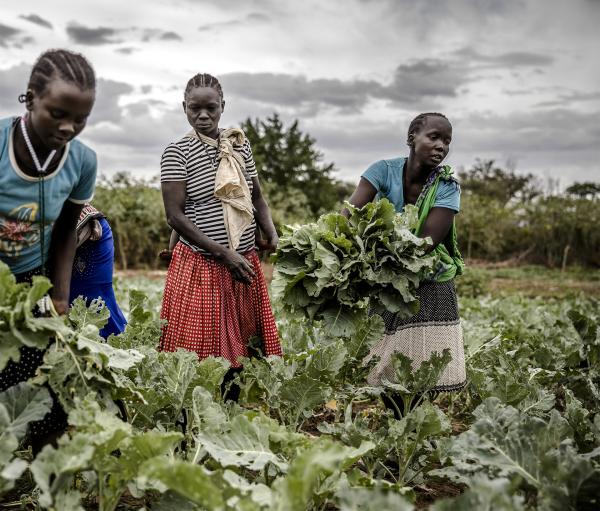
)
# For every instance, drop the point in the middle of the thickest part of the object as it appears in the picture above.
(203, 80)
(70, 66)
(420, 120)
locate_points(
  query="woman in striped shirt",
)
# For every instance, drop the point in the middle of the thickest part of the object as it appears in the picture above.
(215, 295)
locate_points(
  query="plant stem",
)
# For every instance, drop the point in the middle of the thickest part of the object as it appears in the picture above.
(388, 470)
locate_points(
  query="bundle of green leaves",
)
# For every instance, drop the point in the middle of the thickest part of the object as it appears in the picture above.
(337, 267)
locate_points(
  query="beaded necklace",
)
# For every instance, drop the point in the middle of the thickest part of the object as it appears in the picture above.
(212, 159)
(41, 171)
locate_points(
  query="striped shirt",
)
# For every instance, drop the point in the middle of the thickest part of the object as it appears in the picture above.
(196, 163)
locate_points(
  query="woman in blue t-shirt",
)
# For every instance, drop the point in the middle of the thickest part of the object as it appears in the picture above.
(45, 178)
(420, 179)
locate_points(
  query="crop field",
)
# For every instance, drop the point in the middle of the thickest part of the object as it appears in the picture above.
(151, 430)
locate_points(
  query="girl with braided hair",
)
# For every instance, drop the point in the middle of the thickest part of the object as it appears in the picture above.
(46, 175)
(420, 179)
(215, 296)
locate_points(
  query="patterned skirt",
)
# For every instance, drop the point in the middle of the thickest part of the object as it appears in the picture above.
(210, 313)
(55, 421)
(434, 328)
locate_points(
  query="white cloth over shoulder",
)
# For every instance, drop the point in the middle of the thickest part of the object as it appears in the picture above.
(231, 187)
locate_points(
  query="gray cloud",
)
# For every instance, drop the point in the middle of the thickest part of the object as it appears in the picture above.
(108, 93)
(504, 60)
(215, 26)
(104, 35)
(428, 77)
(170, 36)
(253, 17)
(136, 142)
(38, 20)
(150, 34)
(7, 32)
(13, 37)
(295, 90)
(92, 36)
(128, 50)
(413, 84)
(13, 81)
(531, 131)
(418, 83)
(568, 98)
(258, 16)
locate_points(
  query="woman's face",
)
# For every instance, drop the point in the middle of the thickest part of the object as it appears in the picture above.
(432, 142)
(203, 107)
(60, 112)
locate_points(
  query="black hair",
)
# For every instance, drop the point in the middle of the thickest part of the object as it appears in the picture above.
(203, 80)
(70, 66)
(420, 120)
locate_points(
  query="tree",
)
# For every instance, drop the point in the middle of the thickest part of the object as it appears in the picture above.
(487, 179)
(585, 190)
(135, 211)
(287, 159)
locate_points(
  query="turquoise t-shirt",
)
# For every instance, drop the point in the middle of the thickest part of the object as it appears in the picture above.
(386, 177)
(74, 179)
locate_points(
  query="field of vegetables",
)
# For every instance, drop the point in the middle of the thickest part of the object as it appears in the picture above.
(150, 430)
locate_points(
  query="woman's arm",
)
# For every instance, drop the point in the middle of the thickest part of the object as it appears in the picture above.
(365, 192)
(173, 240)
(263, 217)
(437, 225)
(174, 195)
(62, 252)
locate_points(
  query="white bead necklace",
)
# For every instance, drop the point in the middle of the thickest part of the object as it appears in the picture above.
(40, 168)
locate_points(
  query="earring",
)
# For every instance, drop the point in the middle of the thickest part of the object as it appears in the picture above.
(28, 98)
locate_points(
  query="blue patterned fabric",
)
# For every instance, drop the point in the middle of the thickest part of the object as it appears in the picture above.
(93, 275)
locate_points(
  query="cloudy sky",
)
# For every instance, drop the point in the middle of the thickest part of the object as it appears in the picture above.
(519, 79)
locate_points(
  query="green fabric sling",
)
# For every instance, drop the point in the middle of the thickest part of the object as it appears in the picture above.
(451, 263)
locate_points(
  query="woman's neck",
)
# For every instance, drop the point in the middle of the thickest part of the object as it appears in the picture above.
(416, 172)
(213, 134)
(22, 155)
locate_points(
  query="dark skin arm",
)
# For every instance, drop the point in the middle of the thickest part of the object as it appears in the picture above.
(61, 254)
(263, 218)
(174, 195)
(173, 240)
(437, 224)
(365, 192)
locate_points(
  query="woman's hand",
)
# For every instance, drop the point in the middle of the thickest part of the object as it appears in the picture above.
(96, 230)
(61, 306)
(269, 245)
(240, 268)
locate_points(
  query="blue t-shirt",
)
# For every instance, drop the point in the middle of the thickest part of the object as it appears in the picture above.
(74, 179)
(386, 177)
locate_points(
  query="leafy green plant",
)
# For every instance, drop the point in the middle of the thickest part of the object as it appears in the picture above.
(504, 442)
(19, 405)
(334, 268)
(412, 385)
(151, 429)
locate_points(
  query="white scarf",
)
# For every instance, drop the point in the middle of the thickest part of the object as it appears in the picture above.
(231, 187)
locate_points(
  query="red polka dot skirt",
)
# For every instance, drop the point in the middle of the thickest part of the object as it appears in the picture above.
(209, 312)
